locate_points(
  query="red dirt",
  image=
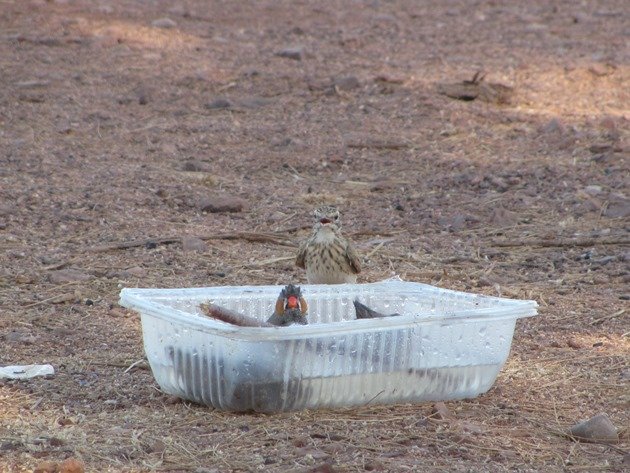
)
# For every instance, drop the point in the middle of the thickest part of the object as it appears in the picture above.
(113, 129)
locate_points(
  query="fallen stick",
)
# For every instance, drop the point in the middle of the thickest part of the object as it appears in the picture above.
(225, 315)
(560, 242)
(248, 236)
(608, 317)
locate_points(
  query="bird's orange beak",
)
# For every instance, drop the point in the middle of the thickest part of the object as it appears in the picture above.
(292, 302)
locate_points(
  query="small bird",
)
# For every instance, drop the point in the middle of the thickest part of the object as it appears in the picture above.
(364, 312)
(327, 256)
(291, 308)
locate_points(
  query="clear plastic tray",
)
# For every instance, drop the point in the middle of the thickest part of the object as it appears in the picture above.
(445, 345)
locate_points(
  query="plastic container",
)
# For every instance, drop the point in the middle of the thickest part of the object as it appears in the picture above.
(445, 345)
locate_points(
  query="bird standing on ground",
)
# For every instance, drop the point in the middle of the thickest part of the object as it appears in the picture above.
(291, 308)
(327, 256)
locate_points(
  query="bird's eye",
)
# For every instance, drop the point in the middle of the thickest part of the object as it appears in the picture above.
(336, 217)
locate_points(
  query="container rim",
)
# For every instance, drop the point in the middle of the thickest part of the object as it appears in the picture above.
(139, 299)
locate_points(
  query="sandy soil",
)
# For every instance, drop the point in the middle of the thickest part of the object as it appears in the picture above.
(132, 121)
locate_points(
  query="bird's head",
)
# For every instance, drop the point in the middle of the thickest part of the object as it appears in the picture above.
(327, 215)
(292, 298)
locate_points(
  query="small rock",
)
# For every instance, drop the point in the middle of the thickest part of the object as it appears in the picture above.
(596, 429)
(136, 271)
(219, 204)
(597, 148)
(63, 276)
(593, 190)
(219, 103)
(603, 261)
(575, 343)
(193, 165)
(190, 244)
(346, 83)
(374, 465)
(144, 96)
(157, 447)
(618, 207)
(608, 123)
(553, 126)
(255, 102)
(296, 53)
(323, 468)
(47, 467)
(312, 452)
(601, 70)
(502, 217)
(164, 23)
(453, 223)
(20, 337)
(71, 465)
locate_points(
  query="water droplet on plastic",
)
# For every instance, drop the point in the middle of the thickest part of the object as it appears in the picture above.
(482, 331)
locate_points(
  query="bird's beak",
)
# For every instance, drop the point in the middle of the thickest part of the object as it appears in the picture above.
(325, 221)
(292, 302)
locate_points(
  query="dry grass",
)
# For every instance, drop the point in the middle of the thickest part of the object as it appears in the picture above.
(100, 110)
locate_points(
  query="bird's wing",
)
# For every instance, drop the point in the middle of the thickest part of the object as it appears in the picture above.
(300, 260)
(303, 306)
(279, 306)
(353, 258)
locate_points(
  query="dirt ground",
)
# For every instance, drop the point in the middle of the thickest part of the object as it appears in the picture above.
(128, 125)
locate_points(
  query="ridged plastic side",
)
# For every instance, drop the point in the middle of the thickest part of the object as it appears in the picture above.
(428, 362)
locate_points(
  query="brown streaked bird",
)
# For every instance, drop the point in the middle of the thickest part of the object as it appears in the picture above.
(291, 308)
(327, 256)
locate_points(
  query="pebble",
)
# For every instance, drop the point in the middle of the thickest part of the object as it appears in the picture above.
(190, 244)
(196, 166)
(347, 83)
(618, 207)
(600, 70)
(136, 271)
(598, 428)
(20, 337)
(593, 190)
(219, 204)
(219, 103)
(64, 276)
(453, 223)
(575, 343)
(255, 102)
(296, 53)
(552, 126)
(501, 217)
(47, 467)
(71, 465)
(164, 23)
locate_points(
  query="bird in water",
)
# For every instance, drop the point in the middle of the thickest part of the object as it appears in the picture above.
(291, 308)
(364, 312)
